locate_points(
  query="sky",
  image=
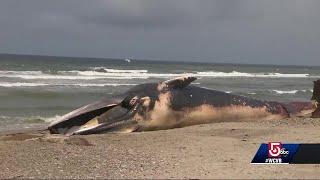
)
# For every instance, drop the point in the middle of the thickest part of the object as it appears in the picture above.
(224, 31)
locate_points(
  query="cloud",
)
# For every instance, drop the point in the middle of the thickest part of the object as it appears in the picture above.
(246, 31)
(166, 13)
(145, 14)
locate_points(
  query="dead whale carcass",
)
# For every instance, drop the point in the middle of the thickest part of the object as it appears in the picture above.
(169, 104)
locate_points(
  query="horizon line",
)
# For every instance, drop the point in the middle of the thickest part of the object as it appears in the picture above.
(155, 60)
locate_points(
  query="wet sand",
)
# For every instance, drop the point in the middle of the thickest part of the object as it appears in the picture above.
(218, 150)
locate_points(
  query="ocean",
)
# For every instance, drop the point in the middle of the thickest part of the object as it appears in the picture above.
(39, 89)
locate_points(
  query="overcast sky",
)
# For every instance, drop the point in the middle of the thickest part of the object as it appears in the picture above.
(233, 31)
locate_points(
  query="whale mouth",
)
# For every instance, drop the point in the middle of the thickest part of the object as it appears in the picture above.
(99, 117)
(117, 119)
(94, 127)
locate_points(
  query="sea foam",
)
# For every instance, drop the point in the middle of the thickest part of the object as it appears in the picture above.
(104, 73)
(290, 91)
(23, 84)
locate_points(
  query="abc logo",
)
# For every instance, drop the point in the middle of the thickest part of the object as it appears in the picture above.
(275, 150)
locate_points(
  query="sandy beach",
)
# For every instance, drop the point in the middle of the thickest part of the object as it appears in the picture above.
(218, 150)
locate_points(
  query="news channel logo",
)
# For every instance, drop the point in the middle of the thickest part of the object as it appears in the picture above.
(275, 153)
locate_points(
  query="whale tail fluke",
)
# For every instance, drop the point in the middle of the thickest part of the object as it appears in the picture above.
(316, 98)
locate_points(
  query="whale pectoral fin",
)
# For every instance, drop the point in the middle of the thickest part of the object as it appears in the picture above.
(179, 82)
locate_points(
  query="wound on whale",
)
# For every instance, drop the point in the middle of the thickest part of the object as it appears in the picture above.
(175, 103)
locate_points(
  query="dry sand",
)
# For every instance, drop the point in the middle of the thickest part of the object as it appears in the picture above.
(218, 150)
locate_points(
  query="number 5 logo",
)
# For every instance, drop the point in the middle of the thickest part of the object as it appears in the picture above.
(274, 149)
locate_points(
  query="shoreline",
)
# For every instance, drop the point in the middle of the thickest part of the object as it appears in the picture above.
(217, 150)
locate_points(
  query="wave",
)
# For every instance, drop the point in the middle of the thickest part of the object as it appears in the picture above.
(103, 69)
(278, 91)
(31, 119)
(104, 73)
(145, 74)
(39, 119)
(65, 77)
(243, 74)
(285, 92)
(102, 85)
(48, 119)
(21, 72)
(290, 91)
(252, 93)
(21, 84)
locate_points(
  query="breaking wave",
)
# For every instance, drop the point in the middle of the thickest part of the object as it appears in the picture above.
(257, 75)
(22, 84)
(104, 73)
(290, 91)
(40, 119)
(252, 93)
(28, 120)
(103, 69)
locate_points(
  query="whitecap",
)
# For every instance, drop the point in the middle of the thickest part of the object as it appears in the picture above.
(285, 92)
(24, 84)
(243, 74)
(119, 70)
(95, 73)
(252, 93)
(21, 84)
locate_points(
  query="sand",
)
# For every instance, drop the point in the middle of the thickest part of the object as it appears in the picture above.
(218, 150)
